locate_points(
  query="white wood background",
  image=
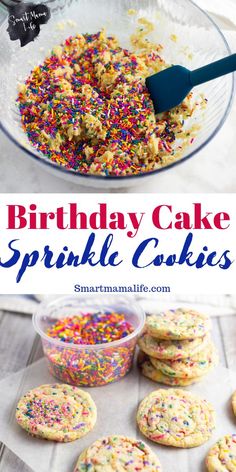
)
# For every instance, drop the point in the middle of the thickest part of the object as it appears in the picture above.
(19, 347)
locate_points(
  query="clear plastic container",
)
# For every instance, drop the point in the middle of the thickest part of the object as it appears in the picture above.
(199, 42)
(88, 365)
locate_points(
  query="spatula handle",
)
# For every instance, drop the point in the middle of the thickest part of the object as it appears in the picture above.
(214, 70)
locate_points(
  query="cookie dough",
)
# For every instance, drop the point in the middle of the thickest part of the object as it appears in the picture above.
(175, 417)
(222, 456)
(149, 371)
(118, 453)
(87, 108)
(178, 324)
(167, 349)
(57, 412)
(234, 402)
(195, 366)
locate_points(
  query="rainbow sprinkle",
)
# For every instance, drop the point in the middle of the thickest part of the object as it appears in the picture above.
(90, 366)
(95, 328)
(86, 107)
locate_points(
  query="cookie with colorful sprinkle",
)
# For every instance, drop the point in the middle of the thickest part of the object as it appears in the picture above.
(175, 417)
(222, 456)
(169, 349)
(118, 453)
(195, 366)
(57, 412)
(149, 371)
(178, 324)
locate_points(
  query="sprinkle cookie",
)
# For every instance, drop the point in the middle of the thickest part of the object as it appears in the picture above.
(234, 402)
(194, 366)
(222, 456)
(149, 371)
(165, 349)
(118, 453)
(178, 324)
(176, 418)
(56, 412)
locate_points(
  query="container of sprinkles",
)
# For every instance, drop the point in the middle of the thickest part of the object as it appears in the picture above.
(89, 341)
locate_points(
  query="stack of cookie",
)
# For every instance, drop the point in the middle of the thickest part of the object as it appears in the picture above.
(176, 347)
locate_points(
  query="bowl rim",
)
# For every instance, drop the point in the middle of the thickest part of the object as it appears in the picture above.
(96, 177)
(78, 347)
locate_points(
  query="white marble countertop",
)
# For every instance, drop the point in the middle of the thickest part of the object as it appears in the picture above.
(211, 170)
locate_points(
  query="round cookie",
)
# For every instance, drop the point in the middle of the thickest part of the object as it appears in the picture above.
(194, 366)
(222, 456)
(168, 349)
(178, 324)
(234, 402)
(57, 412)
(175, 417)
(118, 453)
(151, 373)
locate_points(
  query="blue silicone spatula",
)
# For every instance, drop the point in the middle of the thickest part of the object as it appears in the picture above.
(169, 87)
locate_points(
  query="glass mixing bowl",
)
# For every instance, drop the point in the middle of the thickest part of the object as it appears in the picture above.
(199, 42)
